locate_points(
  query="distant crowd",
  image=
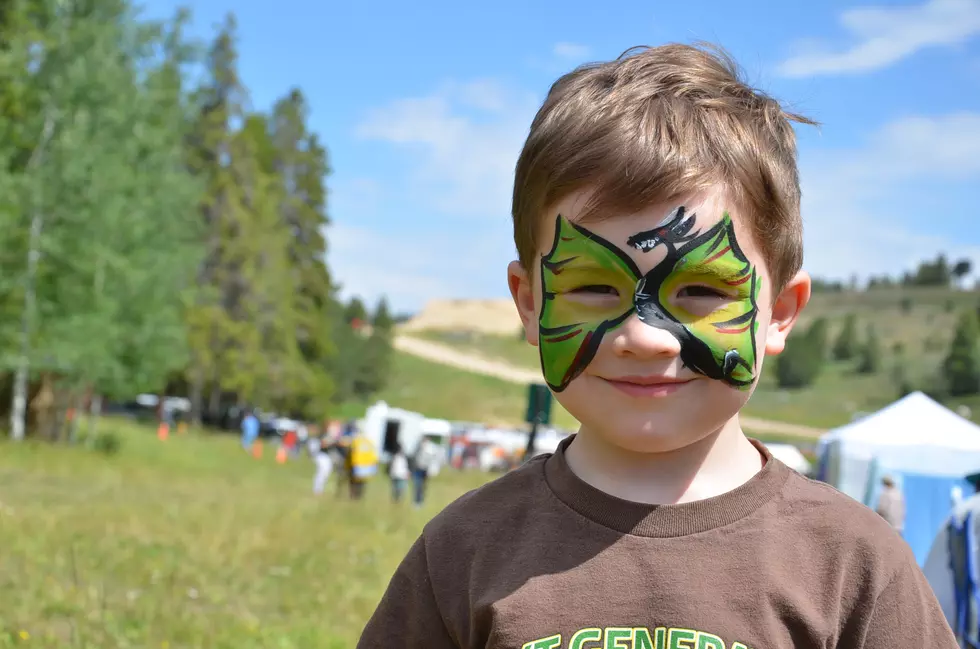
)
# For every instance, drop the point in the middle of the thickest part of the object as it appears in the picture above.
(344, 451)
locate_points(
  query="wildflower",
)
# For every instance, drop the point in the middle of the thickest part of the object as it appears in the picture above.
(24, 635)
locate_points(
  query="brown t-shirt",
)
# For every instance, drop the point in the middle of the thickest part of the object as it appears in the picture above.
(539, 559)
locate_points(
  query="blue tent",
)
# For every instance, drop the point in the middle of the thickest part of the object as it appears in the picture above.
(925, 447)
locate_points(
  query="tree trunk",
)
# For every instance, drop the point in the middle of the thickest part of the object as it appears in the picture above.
(62, 398)
(43, 406)
(197, 397)
(214, 403)
(75, 401)
(18, 411)
(94, 413)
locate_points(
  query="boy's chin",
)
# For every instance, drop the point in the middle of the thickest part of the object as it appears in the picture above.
(658, 425)
(651, 437)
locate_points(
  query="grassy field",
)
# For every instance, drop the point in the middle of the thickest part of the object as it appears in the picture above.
(923, 331)
(191, 543)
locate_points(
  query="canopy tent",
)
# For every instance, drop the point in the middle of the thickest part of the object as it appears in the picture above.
(926, 447)
(790, 456)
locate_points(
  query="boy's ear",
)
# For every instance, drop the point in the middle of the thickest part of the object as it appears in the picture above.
(786, 310)
(519, 281)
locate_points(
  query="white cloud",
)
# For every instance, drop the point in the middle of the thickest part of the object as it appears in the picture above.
(571, 51)
(462, 142)
(884, 36)
(853, 199)
(466, 138)
(369, 264)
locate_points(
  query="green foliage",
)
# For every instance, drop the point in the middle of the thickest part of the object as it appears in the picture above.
(176, 232)
(962, 268)
(961, 367)
(364, 360)
(103, 188)
(817, 335)
(869, 357)
(846, 346)
(934, 273)
(803, 358)
(355, 311)
(107, 443)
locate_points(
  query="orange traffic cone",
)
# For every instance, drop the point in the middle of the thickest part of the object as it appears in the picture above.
(162, 431)
(281, 455)
(257, 450)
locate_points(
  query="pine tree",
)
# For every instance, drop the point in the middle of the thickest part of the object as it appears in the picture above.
(817, 338)
(355, 313)
(846, 346)
(961, 366)
(220, 101)
(870, 355)
(802, 359)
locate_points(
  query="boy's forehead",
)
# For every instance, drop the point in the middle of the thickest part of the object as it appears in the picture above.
(706, 208)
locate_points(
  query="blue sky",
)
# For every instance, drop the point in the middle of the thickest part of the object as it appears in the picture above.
(424, 107)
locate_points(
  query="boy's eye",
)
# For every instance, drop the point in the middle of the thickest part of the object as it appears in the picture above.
(596, 289)
(702, 292)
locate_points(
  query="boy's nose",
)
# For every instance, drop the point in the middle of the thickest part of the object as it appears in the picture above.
(640, 340)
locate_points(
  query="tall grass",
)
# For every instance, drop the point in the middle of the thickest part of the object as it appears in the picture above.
(191, 543)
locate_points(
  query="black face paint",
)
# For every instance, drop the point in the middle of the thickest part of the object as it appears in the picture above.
(678, 236)
(719, 344)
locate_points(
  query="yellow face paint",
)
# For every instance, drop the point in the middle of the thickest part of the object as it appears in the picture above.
(591, 286)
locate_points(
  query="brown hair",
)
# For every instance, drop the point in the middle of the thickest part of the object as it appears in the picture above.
(657, 124)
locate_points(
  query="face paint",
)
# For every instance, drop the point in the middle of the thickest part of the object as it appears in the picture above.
(591, 286)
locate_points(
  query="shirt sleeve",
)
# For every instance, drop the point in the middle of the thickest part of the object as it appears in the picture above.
(905, 615)
(408, 616)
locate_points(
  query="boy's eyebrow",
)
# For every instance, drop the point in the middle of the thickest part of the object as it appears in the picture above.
(724, 272)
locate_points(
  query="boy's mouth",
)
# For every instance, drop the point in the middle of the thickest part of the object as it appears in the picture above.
(647, 386)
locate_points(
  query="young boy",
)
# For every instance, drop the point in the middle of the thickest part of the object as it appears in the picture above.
(657, 222)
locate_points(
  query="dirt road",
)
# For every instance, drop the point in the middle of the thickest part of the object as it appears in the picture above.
(446, 355)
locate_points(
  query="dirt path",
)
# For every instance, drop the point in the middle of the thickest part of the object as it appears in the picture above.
(446, 355)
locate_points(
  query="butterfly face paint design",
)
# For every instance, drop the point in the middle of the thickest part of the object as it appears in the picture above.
(590, 286)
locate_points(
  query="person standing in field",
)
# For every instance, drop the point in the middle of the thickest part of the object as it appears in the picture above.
(427, 456)
(891, 504)
(324, 465)
(250, 430)
(398, 472)
(362, 462)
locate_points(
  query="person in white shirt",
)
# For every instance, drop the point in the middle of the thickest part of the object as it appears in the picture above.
(399, 474)
(324, 465)
(427, 458)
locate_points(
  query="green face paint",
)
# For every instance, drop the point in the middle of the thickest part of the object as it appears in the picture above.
(591, 286)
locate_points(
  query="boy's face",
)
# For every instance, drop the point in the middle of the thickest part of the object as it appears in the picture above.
(651, 327)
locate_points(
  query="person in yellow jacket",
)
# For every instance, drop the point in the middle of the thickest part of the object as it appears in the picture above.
(362, 463)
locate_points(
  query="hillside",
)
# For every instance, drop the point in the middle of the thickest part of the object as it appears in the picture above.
(914, 325)
(496, 317)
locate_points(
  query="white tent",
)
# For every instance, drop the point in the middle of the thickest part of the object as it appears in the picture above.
(790, 456)
(914, 434)
(925, 446)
